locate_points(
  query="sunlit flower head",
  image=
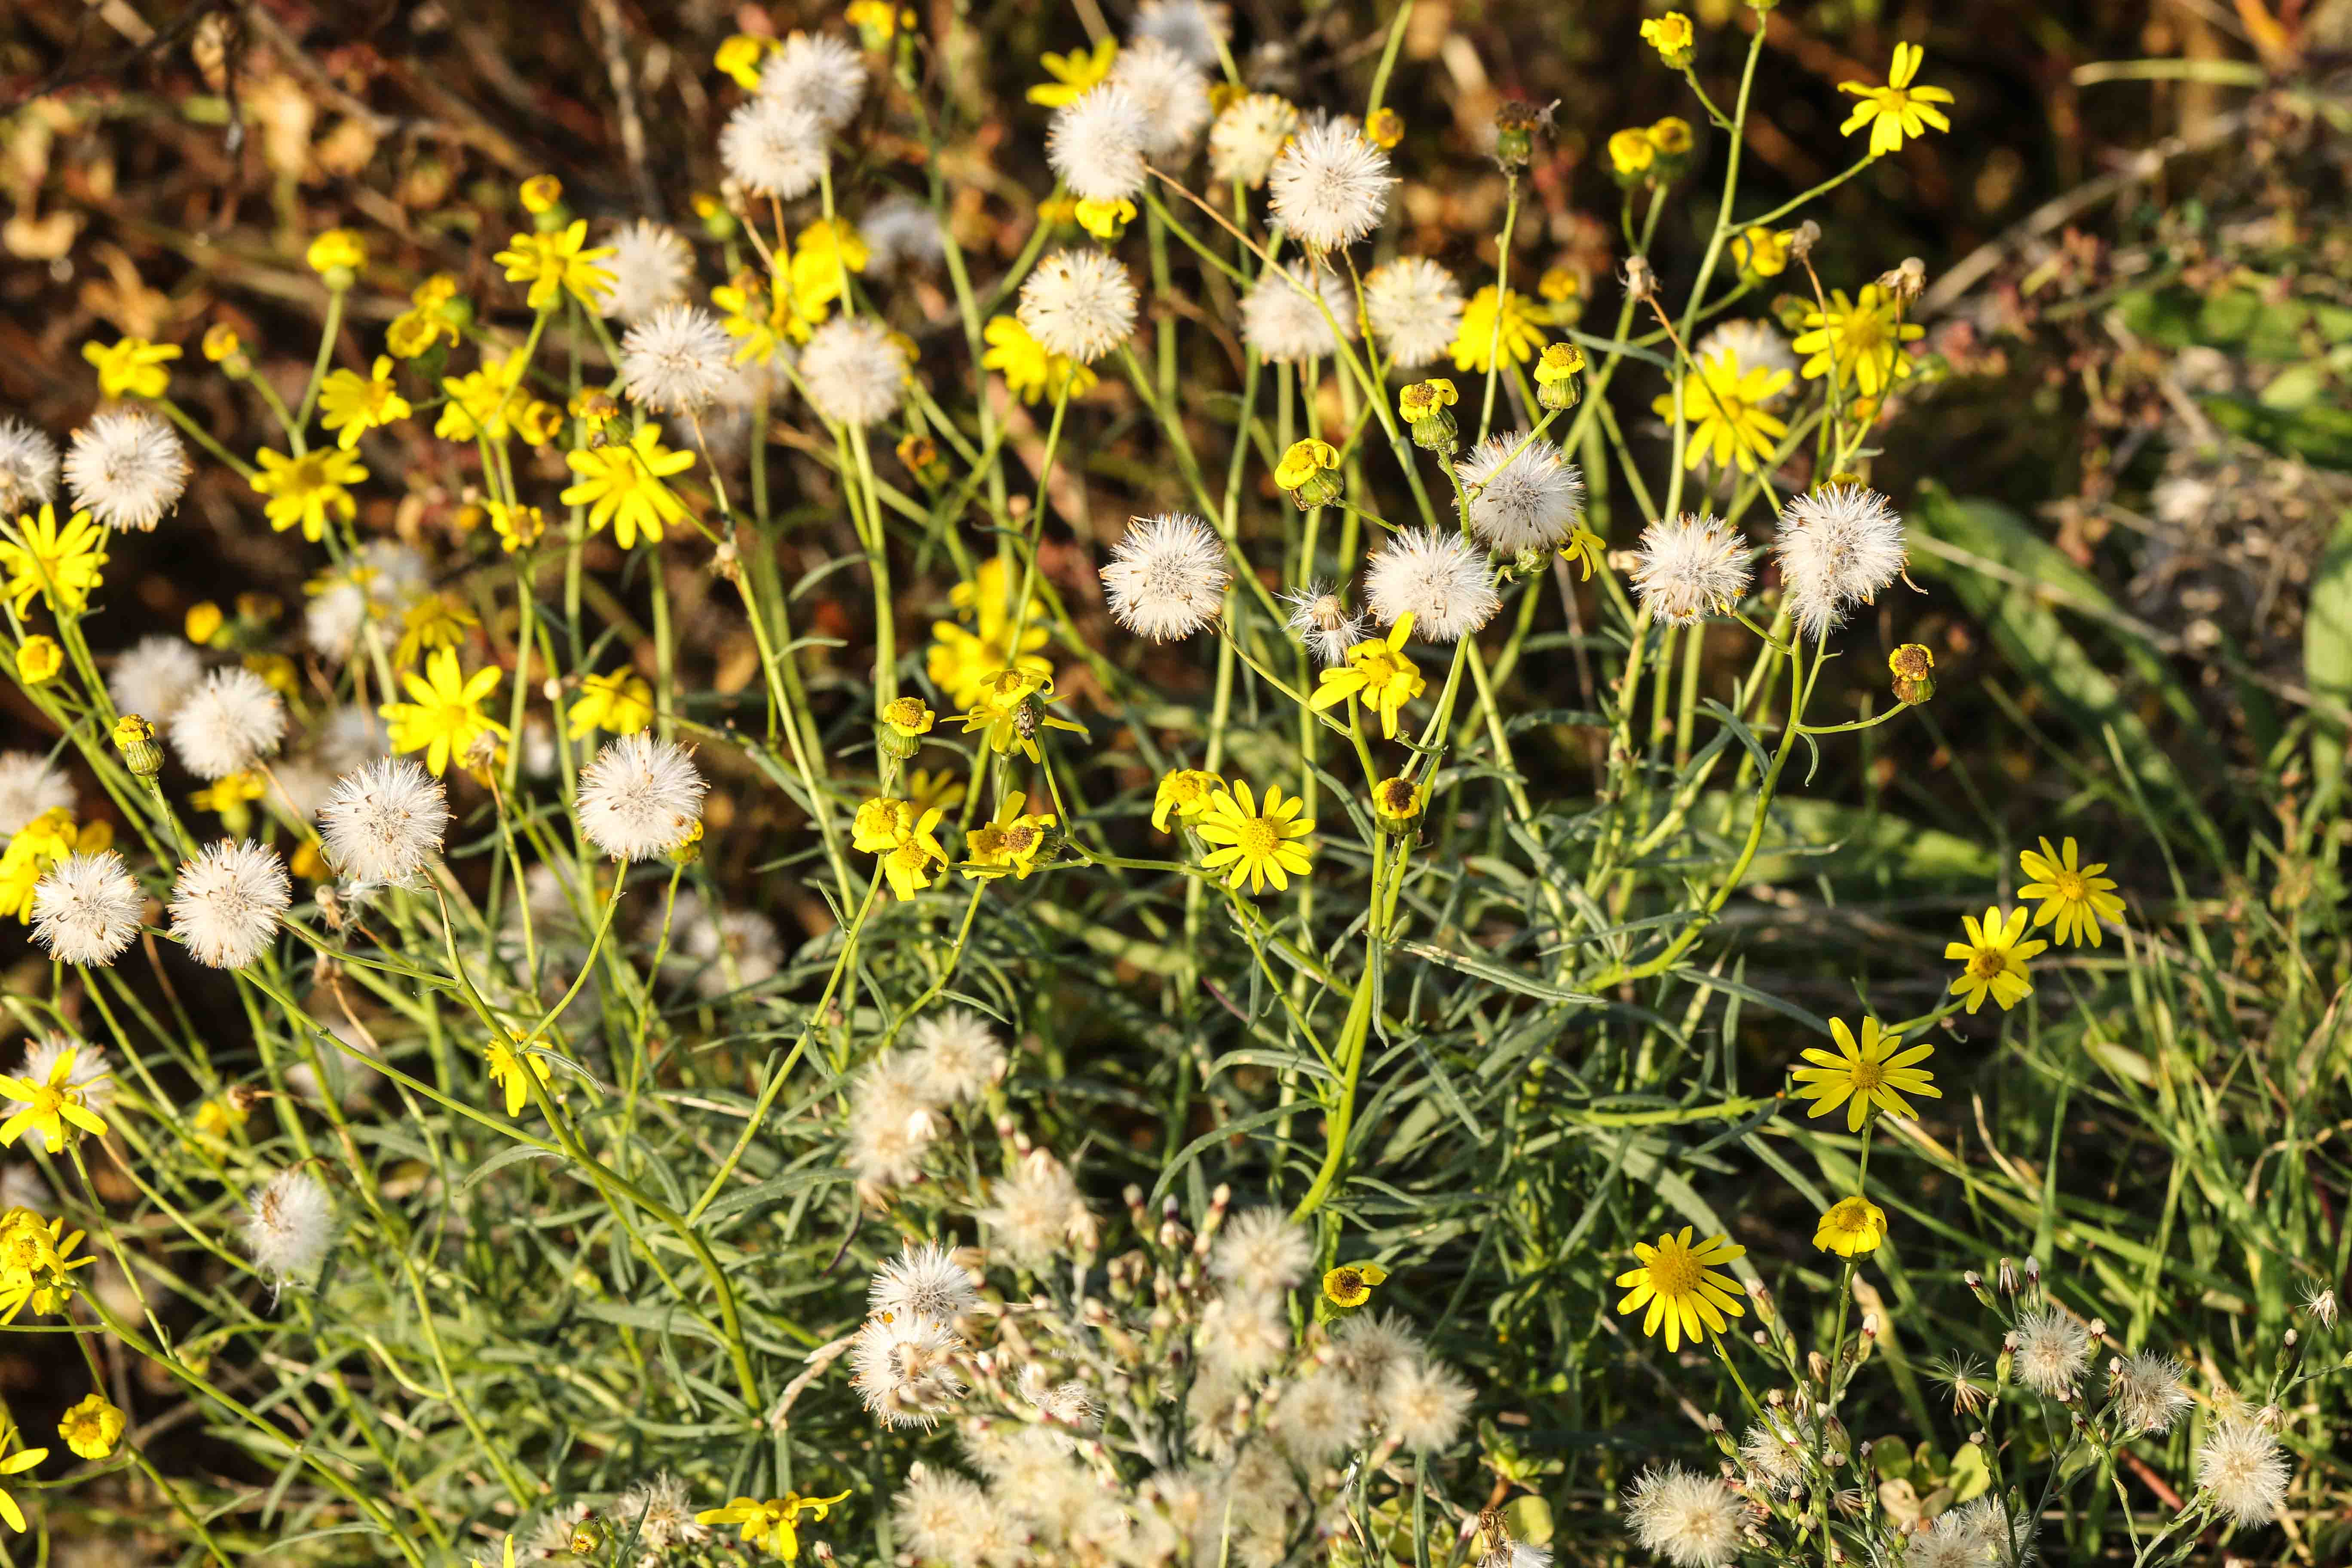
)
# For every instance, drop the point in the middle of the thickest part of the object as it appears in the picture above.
(1379, 672)
(1171, 87)
(1690, 1519)
(352, 403)
(1248, 135)
(1727, 409)
(555, 263)
(677, 360)
(1524, 494)
(228, 900)
(818, 72)
(1098, 142)
(28, 468)
(1691, 567)
(227, 724)
(1995, 953)
(1319, 618)
(443, 716)
(86, 909)
(775, 147)
(856, 371)
(1872, 1073)
(1078, 304)
(651, 265)
(1441, 580)
(2148, 1393)
(1166, 577)
(641, 798)
(1514, 330)
(1850, 1227)
(1414, 307)
(60, 563)
(309, 490)
(1253, 844)
(1860, 341)
(1839, 546)
(2052, 1347)
(383, 823)
(1677, 1288)
(1297, 313)
(2240, 1466)
(2074, 897)
(1898, 110)
(131, 367)
(1330, 188)
(622, 483)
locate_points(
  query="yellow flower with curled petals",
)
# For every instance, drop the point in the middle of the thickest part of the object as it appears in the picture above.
(1073, 73)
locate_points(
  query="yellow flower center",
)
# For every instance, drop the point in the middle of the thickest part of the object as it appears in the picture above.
(2069, 885)
(1864, 333)
(1673, 1271)
(1986, 962)
(1868, 1076)
(1257, 838)
(1019, 839)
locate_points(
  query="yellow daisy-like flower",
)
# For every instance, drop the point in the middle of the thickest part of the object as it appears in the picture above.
(621, 485)
(555, 263)
(511, 1068)
(1008, 842)
(444, 716)
(908, 718)
(907, 865)
(1584, 550)
(1105, 220)
(1861, 340)
(741, 55)
(39, 659)
(435, 622)
(15, 1465)
(58, 563)
(749, 313)
(621, 703)
(1350, 1285)
(51, 1105)
(1729, 422)
(517, 527)
(1631, 152)
(230, 791)
(91, 1428)
(773, 1525)
(1762, 251)
(1188, 793)
(337, 249)
(881, 825)
(1029, 371)
(1671, 136)
(37, 1264)
(428, 319)
(1259, 847)
(1678, 1284)
(1476, 342)
(1995, 955)
(2074, 897)
(1671, 36)
(131, 367)
(1851, 1227)
(1379, 670)
(1871, 1072)
(303, 491)
(1898, 110)
(355, 403)
(1011, 709)
(1073, 73)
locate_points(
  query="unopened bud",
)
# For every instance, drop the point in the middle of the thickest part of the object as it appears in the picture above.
(135, 739)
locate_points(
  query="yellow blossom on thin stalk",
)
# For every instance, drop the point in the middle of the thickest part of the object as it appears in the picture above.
(1011, 709)
(1631, 154)
(58, 563)
(771, 1525)
(1073, 73)
(881, 823)
(91, 1428)
(509, 1060)
(15, 1465)
(1186, 792)
(1351, 1284)
(1476, 342)
(1851, 1227)
(741, 57)
(37, 1264)
(1762, 251)
(1379, 670)
(907, 865)
(336, 250)
(517, 527)
(1384, 129)
(433, 622)
(1030, 371)
(1678, 1284)
(1898, 110)
(620, 704)
(1256, 845)
(1106, 220)
(622, 484)
(355, 403)
(1871, 1073)
(1671, 36)
(131, 367)
(1861, 340)
(428, 318)
(1730, 424)
(1995, 953)
(304, 490)
(1584, 550)
(908, 718)
(554, 263)
(2074, 897)
(1008, 843)
(51, 1105)
(39, 659)
(443, 716)
(482, 402)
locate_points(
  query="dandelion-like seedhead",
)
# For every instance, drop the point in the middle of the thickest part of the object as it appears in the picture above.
(1441, 580)
(1691, 568)
(1524, 495)
(956, 1054)
(1691, 1520)
(288, 1226)
(855, 371)
(29, 785)
(1079, 303)
(2148, 1393)
(819, 73)
(904, 1367)
(231, 720)
(775, 147)
(86, 909)
(902, 235)
(1289, 315)
(2052, 1347)
(1262, 1249)
(651, 266)
(1319, 618)
(1330, 188)
(384, 823)
(227, 901)
(1098, 142)
(1196, 29)
(677, 360)
(1172, 91)
(1167, 577)
(922, 1281)
(640, 797)
(28, 468)
(2240, 1466)
(1035, 1213)
(1414, 307)
(1248, 136)
(154, 676)
(127, 468)
(1838, 547)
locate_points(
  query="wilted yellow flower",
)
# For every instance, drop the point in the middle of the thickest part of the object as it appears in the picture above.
(1351, 1284)
(540, 192)
(131, 367)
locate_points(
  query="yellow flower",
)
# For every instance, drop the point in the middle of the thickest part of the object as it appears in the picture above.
(221, 343)
(517, 527)
(1584, 550)
(1379, 670)
(481, 404)
(1304, 461)
(1996, 956)
(51, 1105)
(1631, 152)
(37, 1264)
(877, 21)
(747, 311)
(1105, 220)
(57, 562)
(1560, 285)
(553, 263)
(1670, 34)
(338, 248)
(508, 1061)
(621, 485)
(91, 1428)
(230, 791)
(1861, 339)
(1384, 129)
(741, 55)
(39, 659)
(1897, 110)
(908, 717)
(540, 194)
(881, 825)
(1399, 802)
(1028, 370)
(444, 716)
(34, 848)
(428, 318)
(433, 622)
(772, 1524)
(1851, 1227)
(1671, 136)
(1729, 421)
(1009, 841)
(620, 704)
(906, 866)
(1187, 792)
(1011, 708)
(1350, 1284)
(1678, 1283)
(1556, 373)
(2075, 896)
(925, 789)
(305, 489)
(355, 403)
(276, 672)
(215, 1118)
(823, 256)
(1519, 338)
(1073, 73)
(1259, 845)
(1865, 1074)
(13, 1465)
(131, 367)
(1762, 251)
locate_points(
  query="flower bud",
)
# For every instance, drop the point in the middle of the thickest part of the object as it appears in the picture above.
(1912, 666)
(227, 349)
(39, 659)
(1428, 409)
(1808, 235)
(1398, 803)
(1384, 129)
(1515, 124)
(135, 739)
(1309, 471)
(1556, 374)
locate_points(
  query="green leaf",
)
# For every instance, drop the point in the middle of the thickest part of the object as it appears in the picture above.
(1810, 837)
(2317, 434)
(2328, 652)
(498, 1161)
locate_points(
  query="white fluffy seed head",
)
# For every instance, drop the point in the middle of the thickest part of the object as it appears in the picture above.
(1261, 1249)
(288, 1225)
(1035, 1215)
(2147, 1393)
(1319, 1417)
(1838, 548)
(1971, 1536)
(1193, 28)
(902, 235)
(640, 797)
(2051, 1349)
(1530, 500)
(1424, 1403)
(86, 909)
(91, 1075)
(650, 265)
(1173, 90)
(904, 1369)
(1370, 1344)
(678, 358)
(1414, 307)
(1330, 186)
(389, 578)
(855, 371)
(127, 468)
(773, 147)
(154, 676)
(29, 786)
(925, 1283)
(1248, 136)
(938, 1513)
(1283, 314)
(731, 951)
(1080, 303)
(1756, 346)
(228, 722)
(383, 823)
(1245, 1331)
(956, 1053)
(28, 468)
(662, 1513)
(1319, 618)
(1098, 143)
(817, 72)
(1691, 568)
(1773, 1451)
(2241, 1465)
(1691, 1521)
(1440, 579)
(891, 1122)
(227, 901)
(1167, 577)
